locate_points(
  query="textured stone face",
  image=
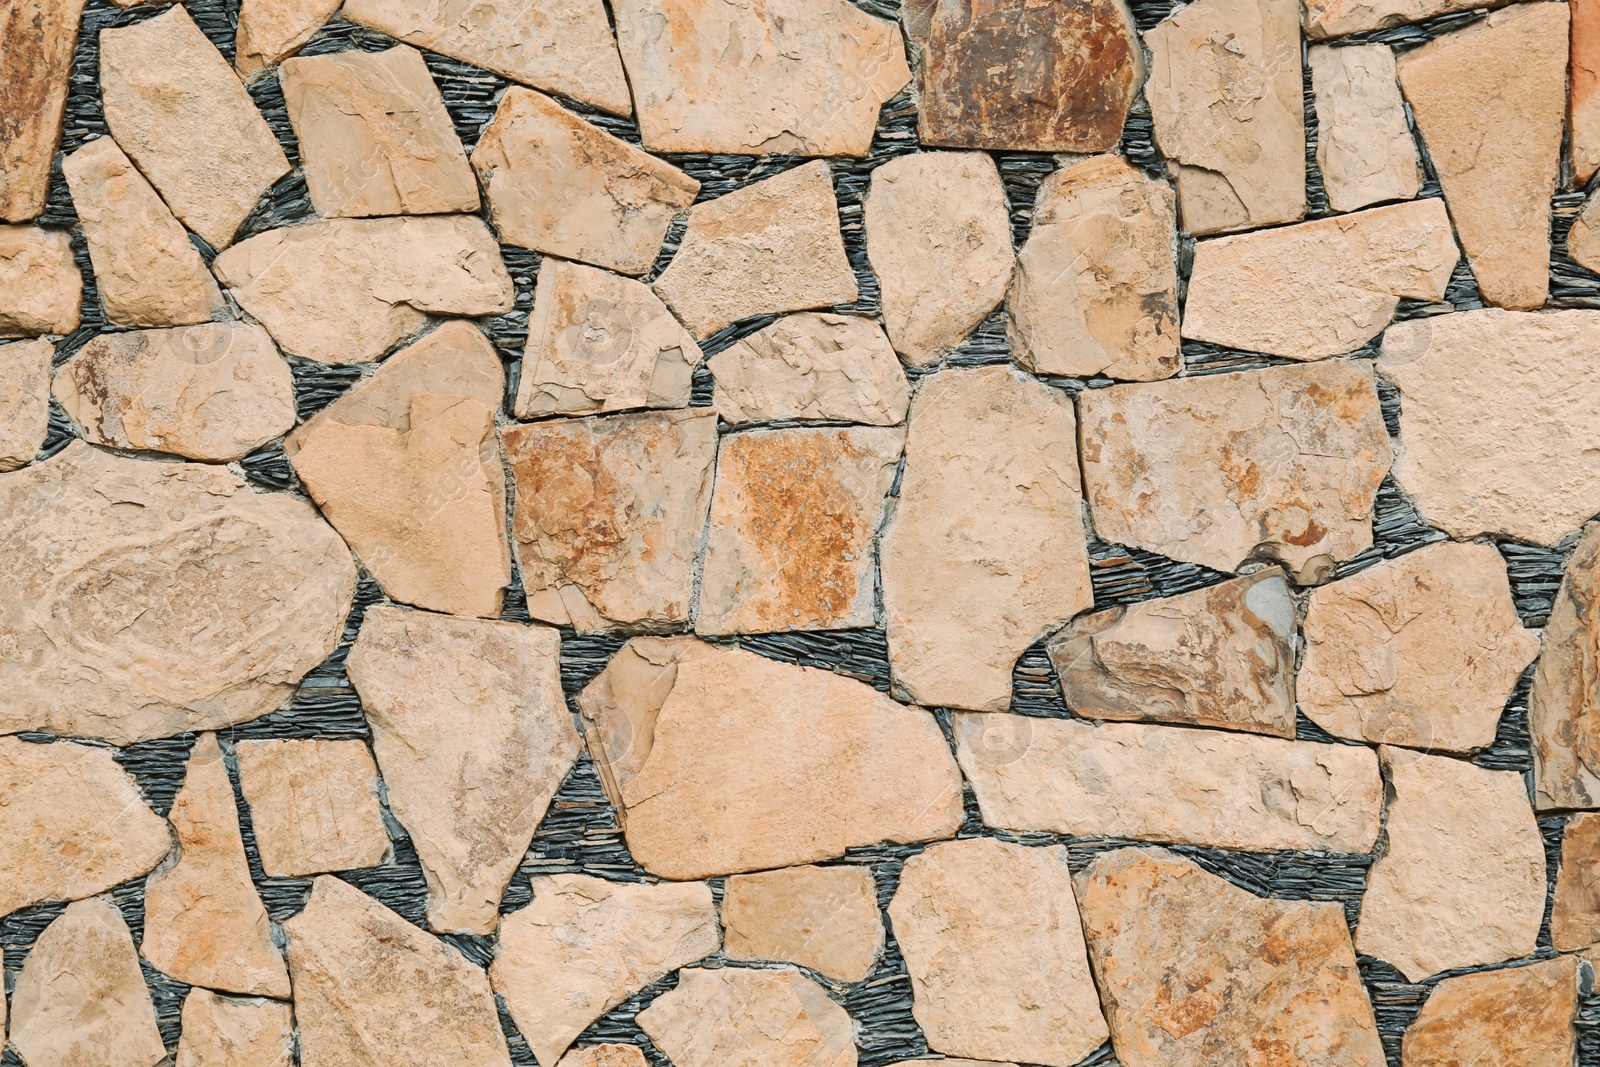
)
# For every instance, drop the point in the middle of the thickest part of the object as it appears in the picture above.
(40, 286)
(721, 761)
(1280, 464)
(1490, 101)
(585, 945)
(24, 401)
(234, 1032)
(1575, 915)
(939, 240)
(736, 1017)
(794, 518)
(1322, 287)
(605, 1056)
(1168, 784)
(993, 945)
(270, 30)
(1364, 148)
(1520, 1015)
(825, 918)
(986, 551)
(140, 600)
(810, 366)
(473, 736)
(1195, 972)
(314, 805)
(1221, 656)
(1564, 704)
(41, 36)
(1335, 18)
(609, 514)
(1583, 101)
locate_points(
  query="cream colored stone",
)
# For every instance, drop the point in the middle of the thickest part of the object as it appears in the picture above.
(939, 240)
(1421, 651)
(986, 551)
(1226, 100)
(1575, 910)
(737, 1017)
(824, 918)
(767, 248)
(473, 737)
(1335, 18)
(794, 520)
(1365, 151)
(234, 1032)
(40, 286)
(345, 290)
(1194, 971)
(24, 401)
(81, 999)
(567, 188)
(41, 37)
(1281, 464)
(1221, 656)
(1096, 288)
(141, 600)
(1322, 287)
(210, 392)
(1583, 99)
(371, 989)
(314, 805)
(1517, 1016)
(605, 1056)
(585, 945)
(835, 368)
(182, 115)
(1169, 784)
(609, 514)
(1490, 103)
(721, 761)
(1564, 704)
(600, 342)
(272, 30)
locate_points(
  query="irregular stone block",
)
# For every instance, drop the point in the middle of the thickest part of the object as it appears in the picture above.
(314, 805)
(1564, 703)
(234, 1032)
(1519, 1015)
(1583, 99)
(824, 918)
(605, 1056)
(1583, 239)
(739, 1017)
(40, 286)
(831, 368)
(24, 401)
(41, 36)
(1365, 151)
(1575, 913)
(1335, 18)
(272, 30)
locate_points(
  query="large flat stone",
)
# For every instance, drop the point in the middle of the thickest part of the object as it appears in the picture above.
(1365, 151)
(272, 30)
(41, 36)
(40, 285)
(234, 1032)
(1575, 911)
(314, 806)
(24, 401)
(1519, 1015)
(1563, 705)
(824, 918)
(738, 1017)
(809, 366)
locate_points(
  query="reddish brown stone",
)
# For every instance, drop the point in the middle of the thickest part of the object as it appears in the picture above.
(34, 69)
(1583, 102)
(1516, 1017)
(1575, 916)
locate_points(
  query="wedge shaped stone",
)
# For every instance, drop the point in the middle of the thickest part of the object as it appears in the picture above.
(314, 805)
(1519, 1015)
(824, 918)
(1365, 151)
(833, 368)
(738, 1017)
(41, 36)
(1335, 18)
(24, 401)
(235, 1032)
(1575, 913)
(272, 30)
(1563, 706)
(40, 285)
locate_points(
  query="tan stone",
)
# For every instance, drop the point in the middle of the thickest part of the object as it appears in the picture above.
(1365, 151)
(738, 1017)
(824, 918)
(585, 944)
(1575, 914)
(1335, 18)
(1221, 656)
(721, 761)
(314, 805)
(794, 518)
(1226, 101)
(81, 999)
(1490, 103)
(993, 945)
(345, 290)
(40, 286)
(1517, 1016)
(234, 1032)
(605, 1056)
(142, 600)
(1564, 705)
(1421, 651)
(211, 392)
(986, 551)
(374, 135)
(600, 342)
(1194, 971)
(609, 514)
(24, 401)
(272, 30)
(784, 77)
(835, 368)
(562, 47)
(1281, 464)
(1583, 100)
(41, 36)
(939, 240)
(1096, 287)
(1322, 287)
(1583, 239)
(767, 248)
(370, 988)
(473, 737)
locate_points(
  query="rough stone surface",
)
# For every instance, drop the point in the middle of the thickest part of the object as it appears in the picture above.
(34, 74)
(1575, 914)
(1421, 651)
(314, 805)
(1462, 881)
(1583, 239)
(784, 77)
(234, 1032)
(1583, 101)
(1564, 704)
(1490, 103)
(609, 513)
(835, 368)
(272, 30)
(374, 135)
(371, 989)
(736, 1017)
(605, 1056)
(1517, 1016)
(824, 918)
(24, 401)
(210, 392)
(1196, 972)
(345, 290)
(1280, 464)
(40, 286)
(794, 521)
(1365, 151)
(599, 342)
(181, 113)
(1335, 18)
(473, 737)
(721, 761)
(585, 944)
(1221, 656)
(770, 247)
(986, 551)
(1322, 287)
(1096, 287)
(141, 600)
(994, 948)
(1226, 100)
